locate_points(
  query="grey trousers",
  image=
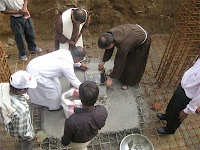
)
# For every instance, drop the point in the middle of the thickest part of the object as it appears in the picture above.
(23, 28)
(26, 145)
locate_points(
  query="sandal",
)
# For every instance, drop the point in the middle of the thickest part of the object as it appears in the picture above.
(109, 72)
(125, 87)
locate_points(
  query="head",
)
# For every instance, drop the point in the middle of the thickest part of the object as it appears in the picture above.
(21, 81)
(106, 41)
(88, 92)
(79, 15)
(78, 53)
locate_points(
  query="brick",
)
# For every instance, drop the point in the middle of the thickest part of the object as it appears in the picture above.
(180, 142)
(191, 132)
(185, 134)
(165, 145)
(197, 131)
(178, 135)
(173, 144)
(188, 141)
(194, 140)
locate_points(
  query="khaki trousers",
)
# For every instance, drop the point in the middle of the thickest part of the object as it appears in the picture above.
(79, 146)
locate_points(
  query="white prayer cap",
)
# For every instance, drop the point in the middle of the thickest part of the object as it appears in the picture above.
(22, 79)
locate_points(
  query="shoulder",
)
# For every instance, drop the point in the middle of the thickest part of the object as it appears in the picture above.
(101, 109)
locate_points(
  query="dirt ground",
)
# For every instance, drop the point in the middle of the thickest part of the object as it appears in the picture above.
(156, 16)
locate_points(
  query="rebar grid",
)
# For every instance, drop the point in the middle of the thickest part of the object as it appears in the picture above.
(182, 48)
(4, 68)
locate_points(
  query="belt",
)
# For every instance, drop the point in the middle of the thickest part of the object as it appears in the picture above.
(144, 32)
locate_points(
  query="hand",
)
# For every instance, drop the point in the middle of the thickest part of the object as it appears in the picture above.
(109, 82)
(198, 110)
(84, 67)
(76, 92)
(182, 115)
(101, 65)
(71, 42)
(27, 16)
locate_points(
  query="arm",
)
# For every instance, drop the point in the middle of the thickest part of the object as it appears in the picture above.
(21, 11)
(67, 134)
(25, 4)
(70, 75)
(193, 104)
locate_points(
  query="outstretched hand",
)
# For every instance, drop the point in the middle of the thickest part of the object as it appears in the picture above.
(84, 67)
(182, 115)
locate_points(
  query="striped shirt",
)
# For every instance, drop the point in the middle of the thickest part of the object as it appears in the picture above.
(20, 126)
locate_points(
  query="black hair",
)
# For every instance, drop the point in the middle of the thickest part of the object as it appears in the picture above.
(79, 15)
(15, 89)
(78, 52)
(88, 92)
(105, 40)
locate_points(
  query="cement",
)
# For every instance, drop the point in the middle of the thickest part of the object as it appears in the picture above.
(121, 106)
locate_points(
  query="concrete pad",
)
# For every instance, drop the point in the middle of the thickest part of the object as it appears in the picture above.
(121, 106)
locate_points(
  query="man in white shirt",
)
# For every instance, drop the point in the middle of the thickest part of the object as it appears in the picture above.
(47, 68)
(185, 100)
(21, 25)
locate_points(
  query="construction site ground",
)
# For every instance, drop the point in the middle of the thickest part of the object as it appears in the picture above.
(149, 100)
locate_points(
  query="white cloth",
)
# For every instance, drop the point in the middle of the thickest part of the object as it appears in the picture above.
(46, 69)
(68, 28)
(5, 103)
(191, 85)
(79, 146)
(144, 32)
(11, 5)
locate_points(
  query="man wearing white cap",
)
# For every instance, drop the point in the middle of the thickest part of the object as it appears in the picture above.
(14, 108)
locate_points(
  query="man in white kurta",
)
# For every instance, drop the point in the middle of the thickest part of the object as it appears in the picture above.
(46, 69)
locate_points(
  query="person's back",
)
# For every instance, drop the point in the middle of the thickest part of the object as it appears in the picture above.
(83, 125)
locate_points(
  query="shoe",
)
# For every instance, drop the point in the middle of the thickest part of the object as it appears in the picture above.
(37, 49)
(162, 130)
(24, 58)
(161, 116)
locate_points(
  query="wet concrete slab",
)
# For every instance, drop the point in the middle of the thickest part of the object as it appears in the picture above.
(121, 106)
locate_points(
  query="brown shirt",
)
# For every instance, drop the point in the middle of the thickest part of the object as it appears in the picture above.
(84, 124)
(127, 38)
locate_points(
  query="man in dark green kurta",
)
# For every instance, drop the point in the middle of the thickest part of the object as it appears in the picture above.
(133, 44)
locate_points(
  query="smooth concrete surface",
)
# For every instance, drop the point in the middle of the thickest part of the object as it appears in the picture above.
(121, 106)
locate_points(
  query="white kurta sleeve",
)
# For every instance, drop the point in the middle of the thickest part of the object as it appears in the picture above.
(70, 75)
(77, 64)
(193, 104)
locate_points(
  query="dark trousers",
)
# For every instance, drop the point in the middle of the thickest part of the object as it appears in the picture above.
(177, 103)
(26, 145)
(23, 28)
